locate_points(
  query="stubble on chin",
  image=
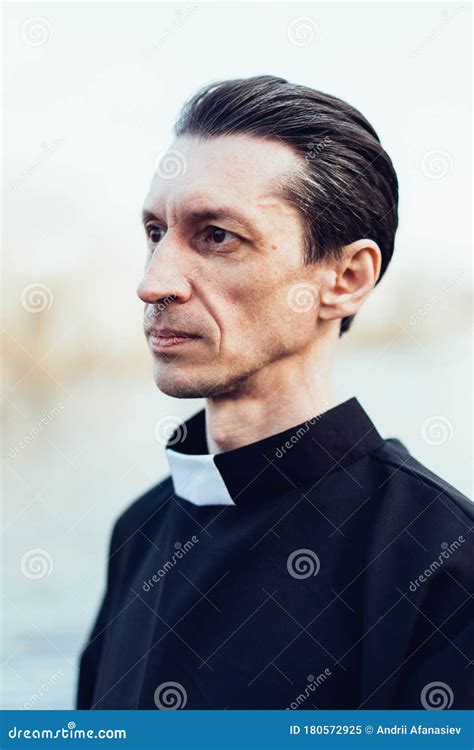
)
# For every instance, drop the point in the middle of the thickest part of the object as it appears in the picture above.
(200, 385)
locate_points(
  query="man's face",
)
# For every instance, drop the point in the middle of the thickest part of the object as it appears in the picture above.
(225, 264)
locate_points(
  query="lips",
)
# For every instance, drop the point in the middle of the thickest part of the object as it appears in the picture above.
(167, 338)
(171, 333)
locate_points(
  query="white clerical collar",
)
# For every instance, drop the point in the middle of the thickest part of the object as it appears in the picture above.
(300, 455)
(196, 478)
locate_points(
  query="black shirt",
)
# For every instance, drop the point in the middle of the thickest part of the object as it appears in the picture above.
(322, 567)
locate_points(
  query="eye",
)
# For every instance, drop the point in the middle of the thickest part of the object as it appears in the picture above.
(154, 233)
(213, 235)
(216, 234)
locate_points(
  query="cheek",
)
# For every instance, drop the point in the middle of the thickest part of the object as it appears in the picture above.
(259, 312)
(252, 300)
(283, 313)
(260, 304)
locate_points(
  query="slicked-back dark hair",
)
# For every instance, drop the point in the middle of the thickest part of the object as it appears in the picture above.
(346, 187)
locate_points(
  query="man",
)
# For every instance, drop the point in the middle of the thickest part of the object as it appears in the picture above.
(293, 558)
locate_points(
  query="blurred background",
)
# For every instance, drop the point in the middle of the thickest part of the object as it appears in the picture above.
(91, 93)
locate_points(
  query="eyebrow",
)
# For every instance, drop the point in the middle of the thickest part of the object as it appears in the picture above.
(149, 216)
(221, 213)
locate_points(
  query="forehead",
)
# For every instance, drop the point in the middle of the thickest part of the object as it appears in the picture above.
(195, 172)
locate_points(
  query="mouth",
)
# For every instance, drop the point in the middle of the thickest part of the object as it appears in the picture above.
(168, 338)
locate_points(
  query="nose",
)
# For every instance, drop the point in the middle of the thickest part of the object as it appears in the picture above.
(165, 277)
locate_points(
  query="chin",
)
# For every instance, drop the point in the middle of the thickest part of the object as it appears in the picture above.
(189, 382)
(180, 382)
(182, 390)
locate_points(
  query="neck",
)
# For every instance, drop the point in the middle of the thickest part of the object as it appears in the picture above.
(281, 395)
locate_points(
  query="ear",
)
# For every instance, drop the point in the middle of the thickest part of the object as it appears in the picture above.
(347, 282)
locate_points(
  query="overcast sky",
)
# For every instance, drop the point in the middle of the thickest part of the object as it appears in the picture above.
(92, 91)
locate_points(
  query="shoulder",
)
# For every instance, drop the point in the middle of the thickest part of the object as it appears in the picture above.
(402, 471)
(430, 520)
